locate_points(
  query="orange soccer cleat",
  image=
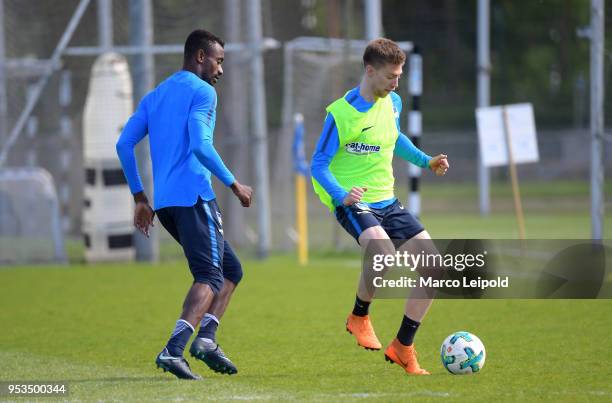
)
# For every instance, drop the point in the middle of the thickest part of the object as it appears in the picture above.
(361, 328)
(405, 357)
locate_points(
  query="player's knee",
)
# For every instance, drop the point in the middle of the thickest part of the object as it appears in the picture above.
(215, 282)
(378, 246)
(234, 274)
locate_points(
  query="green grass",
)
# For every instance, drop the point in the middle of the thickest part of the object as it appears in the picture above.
(553, 210)
(99, 327)
(569, 225)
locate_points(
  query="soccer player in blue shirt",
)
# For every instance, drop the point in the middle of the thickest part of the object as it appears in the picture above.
(179, 117)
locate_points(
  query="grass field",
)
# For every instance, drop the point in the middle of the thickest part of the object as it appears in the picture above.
(99, 327)
(553, 210)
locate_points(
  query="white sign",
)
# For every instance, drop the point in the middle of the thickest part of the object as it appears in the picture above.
(522, 133)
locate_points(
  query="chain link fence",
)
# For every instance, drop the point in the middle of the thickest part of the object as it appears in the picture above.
(52, 138)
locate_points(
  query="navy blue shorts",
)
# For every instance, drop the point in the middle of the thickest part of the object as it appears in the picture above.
(199, 230)
(397, 222)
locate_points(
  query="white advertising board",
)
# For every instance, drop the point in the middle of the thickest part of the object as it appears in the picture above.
(522, 133)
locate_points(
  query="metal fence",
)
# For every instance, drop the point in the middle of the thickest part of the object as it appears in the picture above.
(52, 135)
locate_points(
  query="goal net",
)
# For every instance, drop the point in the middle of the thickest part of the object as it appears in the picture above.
(316, 72)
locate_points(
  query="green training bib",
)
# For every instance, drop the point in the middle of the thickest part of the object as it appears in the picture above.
(365, 153)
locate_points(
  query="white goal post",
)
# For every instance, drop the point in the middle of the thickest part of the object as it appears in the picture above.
(317, 71)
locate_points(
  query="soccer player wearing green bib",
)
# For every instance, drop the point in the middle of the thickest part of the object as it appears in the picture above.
(353, 176)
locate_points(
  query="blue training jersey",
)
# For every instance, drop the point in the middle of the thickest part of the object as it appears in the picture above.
(179, 116)
(329, 142)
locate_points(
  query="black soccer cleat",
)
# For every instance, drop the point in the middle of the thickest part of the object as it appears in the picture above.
(177, 366)
(212, 355)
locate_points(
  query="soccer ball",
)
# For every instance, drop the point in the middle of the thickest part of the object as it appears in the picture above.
(463, 353)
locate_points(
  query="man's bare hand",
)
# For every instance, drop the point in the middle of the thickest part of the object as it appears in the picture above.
(143, 217)
(439, 164)
(244, 193)
(143, 213)
(354, 196)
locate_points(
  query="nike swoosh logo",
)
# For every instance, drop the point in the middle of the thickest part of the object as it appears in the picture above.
(366, 128)
(162, 356)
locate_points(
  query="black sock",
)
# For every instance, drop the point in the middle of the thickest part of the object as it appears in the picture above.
(180, 337)
(208, 327)
(407, 331)
(361, 307)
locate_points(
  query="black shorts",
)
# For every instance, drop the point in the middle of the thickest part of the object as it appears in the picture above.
(394, 219)
(199, 230)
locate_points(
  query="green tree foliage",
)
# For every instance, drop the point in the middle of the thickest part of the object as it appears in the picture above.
(536, 56)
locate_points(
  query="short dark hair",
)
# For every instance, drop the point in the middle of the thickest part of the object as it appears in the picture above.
(200, 39)
(383, 51)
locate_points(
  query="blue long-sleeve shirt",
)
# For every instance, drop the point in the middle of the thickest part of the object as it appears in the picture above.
(179, 116)
(329, 142)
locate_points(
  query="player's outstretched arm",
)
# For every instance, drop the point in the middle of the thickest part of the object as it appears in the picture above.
(200, 125)
(406, 150)
(409, 152)
(201, 145)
